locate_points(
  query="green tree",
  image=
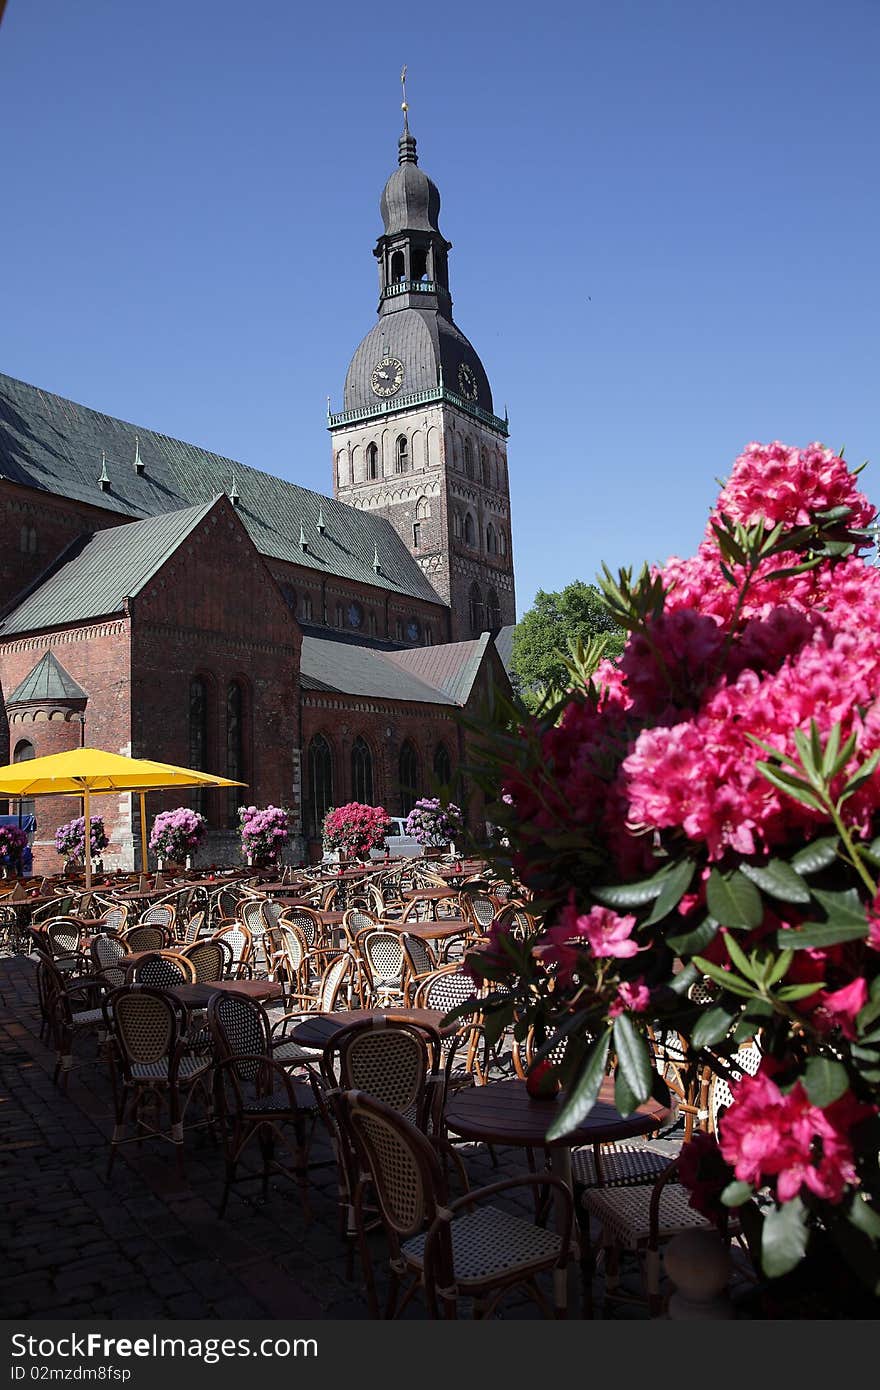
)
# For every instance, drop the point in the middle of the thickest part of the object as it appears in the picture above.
(544, 637)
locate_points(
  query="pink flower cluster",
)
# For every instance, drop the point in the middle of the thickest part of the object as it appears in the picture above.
(767, 1134)
(356, 828)
(264, 833)
(177, 833)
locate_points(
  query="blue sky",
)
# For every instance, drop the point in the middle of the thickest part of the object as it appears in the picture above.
(664, 217)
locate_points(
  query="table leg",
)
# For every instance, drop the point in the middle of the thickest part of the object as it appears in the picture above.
(564, 1281)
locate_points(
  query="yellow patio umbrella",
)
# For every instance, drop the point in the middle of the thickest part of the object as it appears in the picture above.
(86, 771)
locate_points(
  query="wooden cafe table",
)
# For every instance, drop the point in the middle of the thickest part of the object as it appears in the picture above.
(317, 1030)
(503, 1112)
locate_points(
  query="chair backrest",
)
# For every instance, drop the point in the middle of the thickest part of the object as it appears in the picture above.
(746, 1061)
(208, 959)
(368, 897)
(115, 918)
(145, 938)
(194, 927)
(335, 977)
(162, 970)
(514, 917)
(305, 920)
(419, 957)
(389, 1059)
(418, 910)
(160, 915)
(381, 955)
(145, 1024)
(446, 989)
(63, 935)
(239, 1028)
(480, 907)
(406, 1175)
(250, 914)
(355, 920)
(293, 950)
(239, 940)
(106, 950)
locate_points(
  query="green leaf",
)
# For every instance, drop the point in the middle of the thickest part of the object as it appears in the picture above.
(825, 1081)
(842, 907)
(864, 1218)
(781, 967)
(686, 943)
(633, 1057)
(817, 855)
(783, 1238)
(624, 1099)
(736, 1194)
(632, 894)
(819, 934)
(795, 787)
(832, 749)
(733, 900)
(792, 992)
(739, 958)
(864, 774)
(674, 888)
(584, 1092)
(778, 880)
(726, 978)
(713, 1025)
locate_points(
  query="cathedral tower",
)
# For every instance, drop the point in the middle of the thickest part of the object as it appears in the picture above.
(417, 438)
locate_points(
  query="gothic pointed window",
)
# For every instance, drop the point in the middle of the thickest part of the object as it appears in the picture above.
(493, 611)
(470, 531)
(372, 463)
(361, 772)
(401, 454)
(491, 540)
(234, 747)
(320, 781)
(468, 459)
(484, 468)
(408, 777)
(475, 610)
(442, 765)
(198, 734)
(456, 525)
(502, 541)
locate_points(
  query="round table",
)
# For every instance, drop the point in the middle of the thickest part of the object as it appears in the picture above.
(504, 1113)
(316, 1031)
(197, 995)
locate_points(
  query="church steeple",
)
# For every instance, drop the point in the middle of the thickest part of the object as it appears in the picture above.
(413, 269)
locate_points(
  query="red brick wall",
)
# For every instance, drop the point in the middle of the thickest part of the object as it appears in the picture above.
(97, 655)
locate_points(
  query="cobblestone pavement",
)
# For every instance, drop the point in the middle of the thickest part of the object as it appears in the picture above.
(145, 1244)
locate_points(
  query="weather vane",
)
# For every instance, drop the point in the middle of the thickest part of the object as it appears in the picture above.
(403, 105)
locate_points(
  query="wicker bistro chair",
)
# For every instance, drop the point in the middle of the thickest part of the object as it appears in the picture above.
(452, 1250)
(193, 928)
(380, 958)
(420, 962)
(106, 950)
(209, 959)
(115, 918)
(638, 1218)
(240, 942)
(466, 1052)
(153, 1066)
(145, 938)
(62, 936)
(480, 908)
(160, 915)
(255, 1096)
(162, 970)
(71, 1009)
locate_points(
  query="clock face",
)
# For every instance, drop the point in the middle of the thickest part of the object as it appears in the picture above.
(413, 631)
(355, 615)
(467, 382)
(387, 376)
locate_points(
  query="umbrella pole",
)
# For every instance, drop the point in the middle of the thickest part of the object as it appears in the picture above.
(88, 838)
(145, 867)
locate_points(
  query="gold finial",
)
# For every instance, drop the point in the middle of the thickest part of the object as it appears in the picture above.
(404, 105)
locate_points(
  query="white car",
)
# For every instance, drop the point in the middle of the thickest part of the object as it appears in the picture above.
(398, 841)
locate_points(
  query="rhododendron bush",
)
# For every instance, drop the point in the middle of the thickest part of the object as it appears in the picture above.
(264, 833)
(177, 834)
(355, 829)
(706, 812)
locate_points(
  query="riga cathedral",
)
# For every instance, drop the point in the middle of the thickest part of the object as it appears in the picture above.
(163, 601)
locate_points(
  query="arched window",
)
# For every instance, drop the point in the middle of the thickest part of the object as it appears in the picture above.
(342, 469)
(372, 463)
(372, 624)
(468, 459)
(398, 629)
(470, 531)
(502, 541)
(423, 509)
(361, 772)
(429, 635)
(408, 776)
(456, 525)
(484, 467)
(398, 267)
(198, 734)
(340, 618)
(401, 454)
(419, 264)
(491, 540)
(493, 611)
(475, 609)
(307, 608)
(234, 747)
(23, 540)
(320, 781)
(442, 765)
(24, 751)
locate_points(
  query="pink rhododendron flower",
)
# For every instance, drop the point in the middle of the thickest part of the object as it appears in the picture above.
(634, 996)
(606, 933)
(766, 1134)
(839, 1008)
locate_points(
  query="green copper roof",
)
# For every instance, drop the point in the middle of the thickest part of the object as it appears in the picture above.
(55, 445)
(47, 681)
